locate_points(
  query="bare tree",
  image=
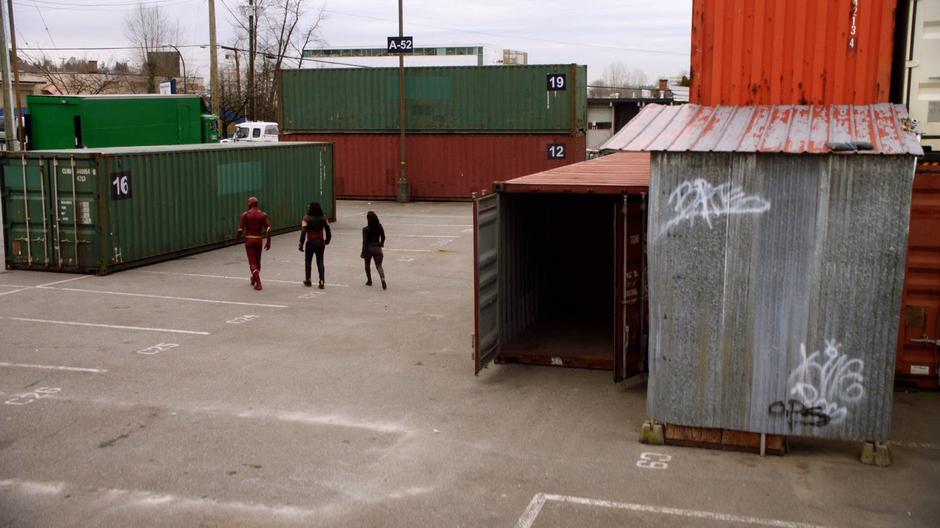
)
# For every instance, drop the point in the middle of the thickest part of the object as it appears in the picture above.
(284, 29)
(149, 30)
(81, 76)
(619, 78)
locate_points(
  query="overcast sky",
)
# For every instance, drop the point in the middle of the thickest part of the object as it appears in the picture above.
(652, 35)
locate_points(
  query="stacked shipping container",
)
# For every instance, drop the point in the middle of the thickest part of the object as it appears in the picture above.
(749, 52)
(467, 127)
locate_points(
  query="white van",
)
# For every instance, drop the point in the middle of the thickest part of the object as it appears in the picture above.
(255, 131)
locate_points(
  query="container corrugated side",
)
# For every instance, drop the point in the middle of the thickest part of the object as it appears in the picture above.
(918, 360)
(485, 99)
(776, 311)
(750, 52)
(113, 121)
(440, 166)
(176, 200)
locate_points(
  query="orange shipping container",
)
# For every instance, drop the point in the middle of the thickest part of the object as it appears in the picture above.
(918, 356)
(781, 52)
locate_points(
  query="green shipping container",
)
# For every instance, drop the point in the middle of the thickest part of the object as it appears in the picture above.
(100, 210)
(465, 99)
(93, 121)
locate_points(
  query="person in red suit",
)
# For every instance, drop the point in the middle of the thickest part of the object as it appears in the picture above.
(255, 227)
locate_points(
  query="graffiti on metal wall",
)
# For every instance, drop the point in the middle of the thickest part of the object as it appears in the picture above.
(822, 386)
(698, 199)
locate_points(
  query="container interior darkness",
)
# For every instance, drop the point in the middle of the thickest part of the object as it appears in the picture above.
(557, 252)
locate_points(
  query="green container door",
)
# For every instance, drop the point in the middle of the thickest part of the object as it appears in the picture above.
(484, 99)
(50, 214)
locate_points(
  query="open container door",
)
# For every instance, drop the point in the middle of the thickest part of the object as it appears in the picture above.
(485, 278)
(631, 301)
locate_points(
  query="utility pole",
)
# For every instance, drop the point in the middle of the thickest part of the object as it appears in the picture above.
(9, 131)
(403, 189)
(213, 61)
(251, 60)
(16, 78)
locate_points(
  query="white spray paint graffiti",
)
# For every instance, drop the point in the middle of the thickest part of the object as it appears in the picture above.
(828, 381)
(699, 199)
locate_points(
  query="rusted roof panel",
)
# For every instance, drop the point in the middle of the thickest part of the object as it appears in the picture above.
(622, 172)
(862, 129)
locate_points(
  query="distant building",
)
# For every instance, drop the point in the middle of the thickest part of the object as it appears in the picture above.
(607, 115)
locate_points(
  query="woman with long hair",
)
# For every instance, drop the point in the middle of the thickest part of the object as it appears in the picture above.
(315, 230)
(373, 239)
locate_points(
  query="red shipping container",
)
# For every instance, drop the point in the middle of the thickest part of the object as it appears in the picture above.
(782, 52)
(918, 356)
(441, 166)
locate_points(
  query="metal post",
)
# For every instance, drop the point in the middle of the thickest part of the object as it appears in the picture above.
(251, 60)
(16, 78)
(183, 62)
(213, 61)
(7, 83)
(403, 189)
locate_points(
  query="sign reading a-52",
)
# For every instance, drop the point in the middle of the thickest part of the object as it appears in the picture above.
(401, 44)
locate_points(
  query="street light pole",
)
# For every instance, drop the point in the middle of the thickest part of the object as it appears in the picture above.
(403, 189)
(183, 62)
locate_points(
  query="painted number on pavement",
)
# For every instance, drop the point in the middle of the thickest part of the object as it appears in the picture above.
(29, 397)
(242, 319)
(653, 461)
(156, 349)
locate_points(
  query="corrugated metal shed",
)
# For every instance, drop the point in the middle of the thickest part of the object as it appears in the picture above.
(783, 129)
(776, 266)
(747, 52)
(619, 173)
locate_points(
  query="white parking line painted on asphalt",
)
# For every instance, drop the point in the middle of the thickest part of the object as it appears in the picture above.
(229, 277)
(538, 502)
(148, 499)
(100, 325)
(409, 250)
(32, 487)
(24, 288)
(14, 286)
(52, 367)
(167, 297)
(64, 281)
(438, 225)
(428, 236)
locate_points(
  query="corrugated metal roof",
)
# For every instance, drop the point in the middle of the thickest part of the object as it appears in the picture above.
(874, 129)
(622, 172)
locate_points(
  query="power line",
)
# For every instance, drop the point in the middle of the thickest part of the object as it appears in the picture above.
(107, 8)
(500, 35)
(45, 25)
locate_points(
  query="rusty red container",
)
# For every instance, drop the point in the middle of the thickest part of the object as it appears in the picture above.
(776, 52)
(918, 357)
(441, 166)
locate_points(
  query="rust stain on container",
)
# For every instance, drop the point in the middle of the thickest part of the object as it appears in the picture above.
(440, 166)
(919, 337)
(749, 52)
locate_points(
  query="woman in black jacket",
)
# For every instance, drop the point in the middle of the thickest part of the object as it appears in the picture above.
(316, 231)
(373, 239)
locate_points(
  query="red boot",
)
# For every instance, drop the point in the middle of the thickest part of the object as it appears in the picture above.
(256, 279)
